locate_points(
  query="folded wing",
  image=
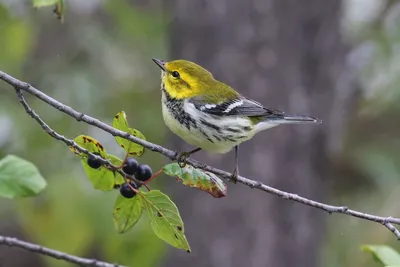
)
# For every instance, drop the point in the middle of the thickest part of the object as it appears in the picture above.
(240, 106)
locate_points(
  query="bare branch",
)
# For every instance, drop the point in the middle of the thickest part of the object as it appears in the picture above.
(14, 242)
(19, 85)
(392, 229)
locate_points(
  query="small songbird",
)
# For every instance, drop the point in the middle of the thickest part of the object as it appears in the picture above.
(211, 115)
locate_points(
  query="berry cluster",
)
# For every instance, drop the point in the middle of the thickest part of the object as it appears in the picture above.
(142, 172)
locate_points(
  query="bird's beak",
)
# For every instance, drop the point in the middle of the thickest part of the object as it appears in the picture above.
(160, 63)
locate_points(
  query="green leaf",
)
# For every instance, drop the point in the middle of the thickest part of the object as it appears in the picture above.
(131, 148)
(44, 3)
(165, 220)
(193, 177)
(101, 178)
(19, 178)
(118, 179)
(127, 212)
(384, 254)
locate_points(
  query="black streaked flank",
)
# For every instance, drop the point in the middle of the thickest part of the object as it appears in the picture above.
(233, 130)
(202, 131)
(215, 127)
(217, 137)
(246, 128)
(176, 108)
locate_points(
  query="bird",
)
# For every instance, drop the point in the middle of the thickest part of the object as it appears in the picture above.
(210, 115)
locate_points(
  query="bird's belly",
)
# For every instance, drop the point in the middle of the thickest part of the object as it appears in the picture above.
(198, 135)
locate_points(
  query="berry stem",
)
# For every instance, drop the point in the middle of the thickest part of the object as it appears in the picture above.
(148, 189)
(154, 176)
(123, 162)
(131, 187)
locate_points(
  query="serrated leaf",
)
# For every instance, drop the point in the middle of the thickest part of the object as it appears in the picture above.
(197, 178)
(127, 212)
(164, 218)
(384, 254)
(131, 148)
(90, 144)
(19, 178)
(44, 3)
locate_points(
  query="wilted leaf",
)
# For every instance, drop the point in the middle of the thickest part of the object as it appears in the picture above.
(90, 144)
(165, 220)
(193, 177)
(127, 212)
(19, 178)
(131, 148)
(384, 254)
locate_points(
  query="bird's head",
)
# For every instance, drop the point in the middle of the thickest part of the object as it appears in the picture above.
(184, 79)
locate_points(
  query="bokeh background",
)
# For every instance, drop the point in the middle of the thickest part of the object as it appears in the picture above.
(336, 60)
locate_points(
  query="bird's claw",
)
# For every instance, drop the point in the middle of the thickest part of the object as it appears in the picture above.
(234, 176)
(182, 159)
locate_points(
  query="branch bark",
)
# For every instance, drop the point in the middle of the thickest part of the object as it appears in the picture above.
(14, 242)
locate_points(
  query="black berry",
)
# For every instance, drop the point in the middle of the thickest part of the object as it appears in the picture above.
(126, 191)
(94, 163)
(130, 166)
(143, 172)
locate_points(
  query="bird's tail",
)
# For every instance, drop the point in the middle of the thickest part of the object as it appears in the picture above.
(298, 119)
(270, 122)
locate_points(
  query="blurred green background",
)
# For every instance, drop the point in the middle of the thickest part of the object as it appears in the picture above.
(98, 62)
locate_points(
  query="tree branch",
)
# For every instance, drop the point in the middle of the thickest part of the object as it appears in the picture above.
(14, 242)
(19, 85)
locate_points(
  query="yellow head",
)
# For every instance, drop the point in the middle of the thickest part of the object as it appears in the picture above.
(184, 79)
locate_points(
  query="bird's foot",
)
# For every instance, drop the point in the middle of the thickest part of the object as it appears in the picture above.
(182, 159)
(234, 176)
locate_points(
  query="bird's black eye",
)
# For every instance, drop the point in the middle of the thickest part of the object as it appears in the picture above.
(175, 74)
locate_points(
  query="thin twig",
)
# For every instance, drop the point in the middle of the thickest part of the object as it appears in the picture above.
(70, 143)
(14, 242)
(17, 84)
(392, 229)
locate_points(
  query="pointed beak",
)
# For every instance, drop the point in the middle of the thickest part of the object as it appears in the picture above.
(160, 63)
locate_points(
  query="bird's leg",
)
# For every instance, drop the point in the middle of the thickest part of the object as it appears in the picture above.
(235, 172)
(184, 155)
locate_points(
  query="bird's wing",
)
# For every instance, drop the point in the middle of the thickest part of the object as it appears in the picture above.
(239, 106)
